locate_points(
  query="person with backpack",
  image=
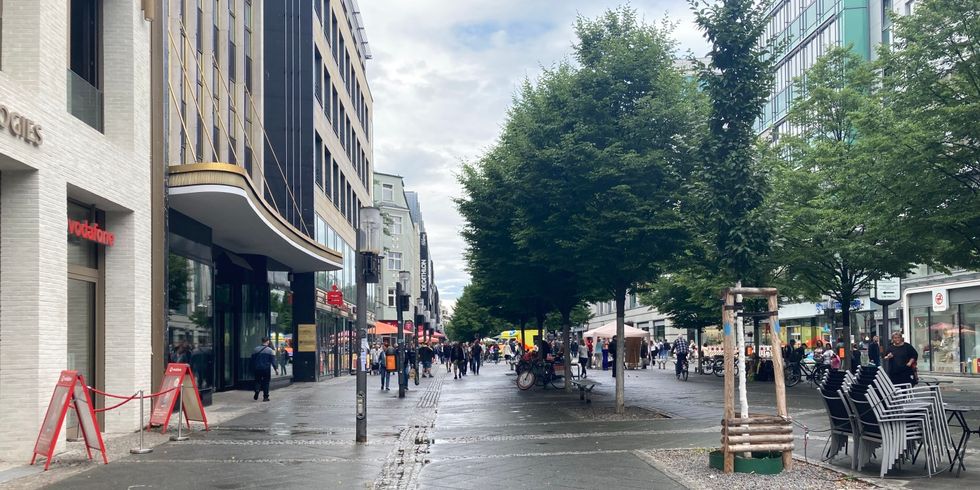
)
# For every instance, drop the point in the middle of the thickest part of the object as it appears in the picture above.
(263, 360)
(386, 365)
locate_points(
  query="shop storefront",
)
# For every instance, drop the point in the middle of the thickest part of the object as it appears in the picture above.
(942, 323)
(232, 276)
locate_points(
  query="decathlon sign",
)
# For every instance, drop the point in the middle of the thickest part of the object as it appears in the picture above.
(91, 232)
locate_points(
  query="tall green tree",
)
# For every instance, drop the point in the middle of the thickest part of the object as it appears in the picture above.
(926, 129)
(730, 185)
(602, 188)
(832, 237)
(471, 320)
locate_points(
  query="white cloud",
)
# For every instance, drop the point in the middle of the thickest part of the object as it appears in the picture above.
(443, 75)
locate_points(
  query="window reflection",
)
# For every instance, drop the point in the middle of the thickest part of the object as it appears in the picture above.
(190, 332)
(281, 321)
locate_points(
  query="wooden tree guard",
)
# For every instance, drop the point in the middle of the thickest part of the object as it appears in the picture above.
(757, 432)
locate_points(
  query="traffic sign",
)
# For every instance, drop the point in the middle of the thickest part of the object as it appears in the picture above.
(886, 289)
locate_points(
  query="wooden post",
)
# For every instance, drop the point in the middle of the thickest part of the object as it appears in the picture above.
(727, 316)
(777, 368)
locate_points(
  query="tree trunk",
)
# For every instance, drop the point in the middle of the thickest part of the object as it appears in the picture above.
(845, 310)
(566, 330)
(620, 349)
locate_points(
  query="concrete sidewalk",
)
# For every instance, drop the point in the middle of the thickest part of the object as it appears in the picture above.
(303, 437)
(475, 432)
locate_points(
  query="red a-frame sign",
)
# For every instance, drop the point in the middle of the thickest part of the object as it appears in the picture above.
(178, 379)
(71, 391)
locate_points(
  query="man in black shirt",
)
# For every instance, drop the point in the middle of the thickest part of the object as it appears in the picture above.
(901, 358)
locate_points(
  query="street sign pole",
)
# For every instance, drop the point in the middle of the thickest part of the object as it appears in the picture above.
(361, 401)
(886, 291)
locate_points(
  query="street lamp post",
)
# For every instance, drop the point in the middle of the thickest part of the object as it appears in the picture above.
(403, 290)
(367, 272)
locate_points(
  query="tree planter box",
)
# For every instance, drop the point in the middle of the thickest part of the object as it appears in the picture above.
(761, 463)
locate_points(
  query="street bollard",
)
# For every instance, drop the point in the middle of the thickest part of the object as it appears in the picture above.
(141, 449)
(180, 417)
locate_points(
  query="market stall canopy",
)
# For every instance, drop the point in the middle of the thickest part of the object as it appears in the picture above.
(608, 330)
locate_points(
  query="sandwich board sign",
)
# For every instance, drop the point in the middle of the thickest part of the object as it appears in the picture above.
(178, 380)
(70, 392)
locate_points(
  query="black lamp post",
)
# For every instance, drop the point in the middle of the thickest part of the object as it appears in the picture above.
(403, 290)
(368, 267)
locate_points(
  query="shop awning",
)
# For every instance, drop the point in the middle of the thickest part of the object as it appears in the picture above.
(223, 197)
(381, 328)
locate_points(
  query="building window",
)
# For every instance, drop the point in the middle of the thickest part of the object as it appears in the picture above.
(318, 79)
(318, 160)
(396, 225)
(85, 62)
(394, 261)
(387, 192)
(391, 297)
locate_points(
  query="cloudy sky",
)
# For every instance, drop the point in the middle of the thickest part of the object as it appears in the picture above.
(442, 77)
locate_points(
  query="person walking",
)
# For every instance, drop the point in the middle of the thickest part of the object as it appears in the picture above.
(387, 364)
(263, 360)
(476, 357)
(644, 353)
(901, 360)
(605, 354)
(583, 358)
(874, 351)
(680, 351)
(611, 349)
(458, 360)
(283, 359)
(425, 357)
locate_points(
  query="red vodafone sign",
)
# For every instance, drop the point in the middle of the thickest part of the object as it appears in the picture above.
(940, 300)
(335, 297)
(91, 232)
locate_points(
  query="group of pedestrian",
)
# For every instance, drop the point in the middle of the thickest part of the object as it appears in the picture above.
(466, 356)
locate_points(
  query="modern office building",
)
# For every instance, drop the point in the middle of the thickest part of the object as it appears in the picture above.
(319, 157)
(74, 209)
(236, 250)
(944, 333)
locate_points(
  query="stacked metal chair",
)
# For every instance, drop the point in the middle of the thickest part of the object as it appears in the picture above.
(939, 440)
(867, 431)
(841, 423)
(900, 420)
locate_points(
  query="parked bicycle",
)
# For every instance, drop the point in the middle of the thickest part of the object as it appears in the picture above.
(705, 366)
(795, 372)
(718, 367)
(540, 372)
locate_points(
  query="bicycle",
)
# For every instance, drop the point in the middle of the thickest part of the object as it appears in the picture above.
(682, 375)
(814, 375)
(705, 366)
(718, 366)
(540, 372)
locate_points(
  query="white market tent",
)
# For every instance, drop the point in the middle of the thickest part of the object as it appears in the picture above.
(609, 330)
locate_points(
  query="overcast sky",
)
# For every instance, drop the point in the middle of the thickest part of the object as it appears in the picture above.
(443, 75)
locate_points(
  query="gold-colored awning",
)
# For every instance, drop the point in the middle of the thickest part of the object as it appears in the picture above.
(224, 198)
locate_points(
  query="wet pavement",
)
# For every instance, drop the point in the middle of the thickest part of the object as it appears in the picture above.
(475, 432)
